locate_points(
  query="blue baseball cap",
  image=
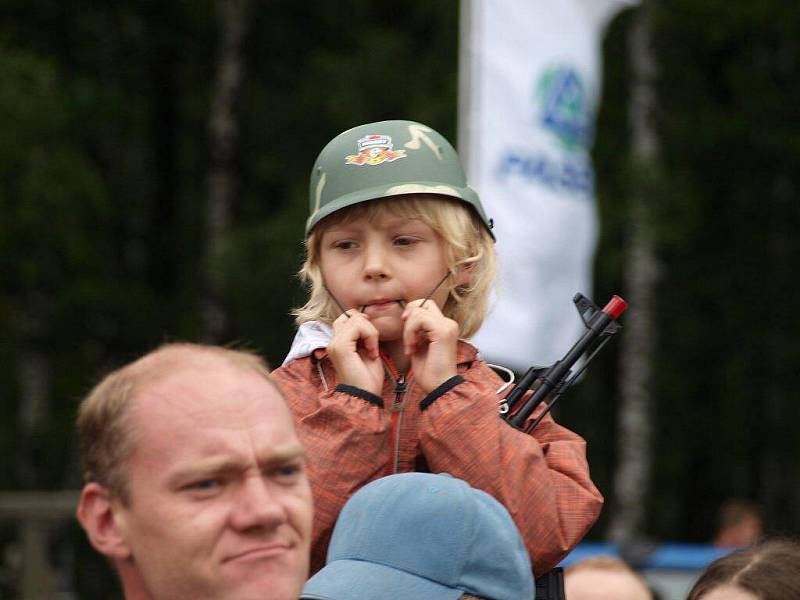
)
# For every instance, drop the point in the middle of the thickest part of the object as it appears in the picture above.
(420, 535)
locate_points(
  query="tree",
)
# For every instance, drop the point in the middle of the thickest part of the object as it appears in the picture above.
(234, 19)
(632, 476)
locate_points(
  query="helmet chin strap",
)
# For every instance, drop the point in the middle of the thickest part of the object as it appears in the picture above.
(401, 302)
(433, 291)
(339, 304)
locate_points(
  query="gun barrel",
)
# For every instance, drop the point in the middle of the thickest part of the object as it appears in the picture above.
(615, 307)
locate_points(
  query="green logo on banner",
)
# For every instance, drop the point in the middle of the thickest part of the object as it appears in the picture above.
(564, 107)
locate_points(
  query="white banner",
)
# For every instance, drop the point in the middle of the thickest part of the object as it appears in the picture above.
(530, 84)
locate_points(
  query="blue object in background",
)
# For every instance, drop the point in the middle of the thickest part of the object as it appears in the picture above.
(670, 568)
(671, 555)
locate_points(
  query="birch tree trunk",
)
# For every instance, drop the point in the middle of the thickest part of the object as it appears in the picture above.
(632, 475)
(37, 578)
(233, 18)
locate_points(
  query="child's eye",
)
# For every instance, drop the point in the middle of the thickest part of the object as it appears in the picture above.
(404, 241)
(344, 245)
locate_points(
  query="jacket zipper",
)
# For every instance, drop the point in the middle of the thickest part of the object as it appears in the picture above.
(400, 388)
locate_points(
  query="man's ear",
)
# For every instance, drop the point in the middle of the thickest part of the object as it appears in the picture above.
(99, 514)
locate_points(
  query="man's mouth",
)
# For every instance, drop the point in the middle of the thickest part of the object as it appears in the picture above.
(264, 552)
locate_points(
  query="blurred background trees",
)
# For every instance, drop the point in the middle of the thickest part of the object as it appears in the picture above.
(105, 164)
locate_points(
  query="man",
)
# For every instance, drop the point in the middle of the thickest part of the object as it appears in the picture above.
(739, 524)
(195, 479)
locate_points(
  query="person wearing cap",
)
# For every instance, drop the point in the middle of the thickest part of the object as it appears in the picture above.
(419, 535)
(400, 260)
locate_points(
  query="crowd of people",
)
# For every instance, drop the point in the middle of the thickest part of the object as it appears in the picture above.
(372, 463)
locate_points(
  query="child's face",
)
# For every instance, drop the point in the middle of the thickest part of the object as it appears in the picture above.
(378, 266)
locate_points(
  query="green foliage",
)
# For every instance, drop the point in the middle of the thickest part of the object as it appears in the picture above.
(103, 184)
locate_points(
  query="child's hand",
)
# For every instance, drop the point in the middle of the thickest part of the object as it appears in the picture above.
(353, 350)
(430, 340)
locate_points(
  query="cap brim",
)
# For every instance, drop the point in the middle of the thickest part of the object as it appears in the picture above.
(361, 580)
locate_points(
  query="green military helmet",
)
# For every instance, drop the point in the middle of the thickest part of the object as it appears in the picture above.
(388, 158)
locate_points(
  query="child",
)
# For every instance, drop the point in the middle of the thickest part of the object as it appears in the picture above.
(400, 259)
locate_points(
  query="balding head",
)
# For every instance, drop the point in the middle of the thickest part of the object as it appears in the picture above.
(604, 578)
(106, 439)
(196, 482)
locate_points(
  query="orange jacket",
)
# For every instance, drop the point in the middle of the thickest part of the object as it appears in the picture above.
(542, 479)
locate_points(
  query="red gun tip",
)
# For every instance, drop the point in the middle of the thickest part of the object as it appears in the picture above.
(615, 307)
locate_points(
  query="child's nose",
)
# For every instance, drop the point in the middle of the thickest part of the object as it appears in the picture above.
(376, 264)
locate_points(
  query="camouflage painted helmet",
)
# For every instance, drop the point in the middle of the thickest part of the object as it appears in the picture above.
(388, 158)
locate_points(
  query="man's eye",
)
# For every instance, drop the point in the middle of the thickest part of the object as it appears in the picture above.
(204, 485)
(288, 471)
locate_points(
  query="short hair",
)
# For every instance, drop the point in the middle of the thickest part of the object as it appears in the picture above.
(736, 511)
(105, 438)
(467, 242)
(769, 571)
(608, 564)
(601, 563)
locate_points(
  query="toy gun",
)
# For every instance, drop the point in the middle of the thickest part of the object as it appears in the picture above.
(552, 381)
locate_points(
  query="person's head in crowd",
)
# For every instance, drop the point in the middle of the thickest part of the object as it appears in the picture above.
(604, 578)
(739, 524)
(419, 535)
(769, 571)
(195, 484)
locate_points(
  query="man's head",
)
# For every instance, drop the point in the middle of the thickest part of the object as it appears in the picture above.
(739, 524)
(195, 478)
(420, 535)
(604, 578)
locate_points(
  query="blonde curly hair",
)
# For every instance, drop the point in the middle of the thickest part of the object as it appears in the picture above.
(468, 244)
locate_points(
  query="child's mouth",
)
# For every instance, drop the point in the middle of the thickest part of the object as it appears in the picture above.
(381, 305)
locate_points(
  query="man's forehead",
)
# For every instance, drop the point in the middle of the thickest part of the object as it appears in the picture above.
(172, 449)
(221, 452)
(207, 374)
(224, 397)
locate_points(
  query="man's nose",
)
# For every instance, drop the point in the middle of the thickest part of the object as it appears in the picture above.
(257, 504)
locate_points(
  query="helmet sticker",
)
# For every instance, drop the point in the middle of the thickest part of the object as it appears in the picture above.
(374, 150)
(418, 132)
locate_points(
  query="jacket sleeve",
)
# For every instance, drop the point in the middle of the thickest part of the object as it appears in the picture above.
(345, 432)
(542, 479)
